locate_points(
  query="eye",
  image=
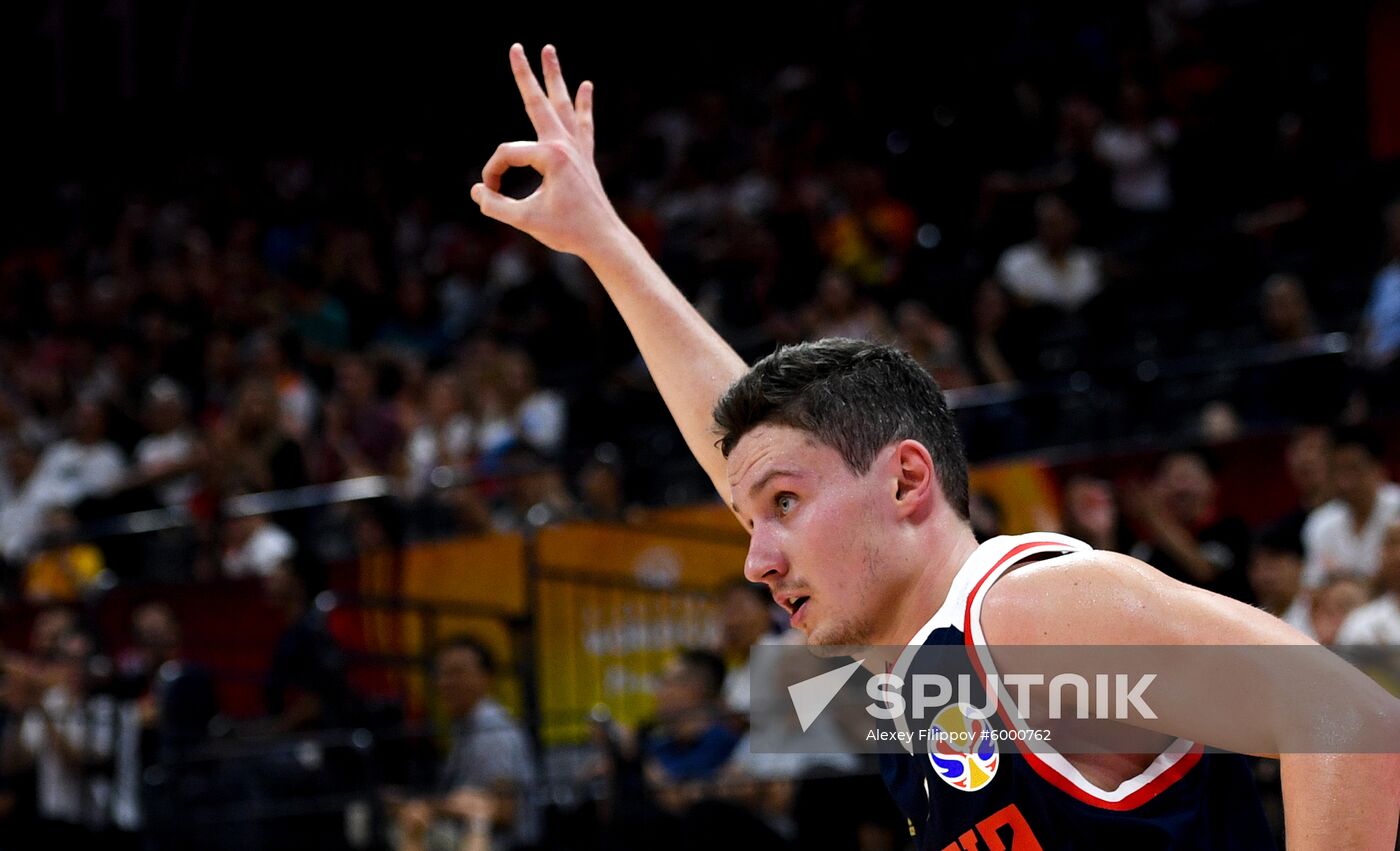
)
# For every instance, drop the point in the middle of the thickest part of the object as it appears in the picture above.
(785, 503)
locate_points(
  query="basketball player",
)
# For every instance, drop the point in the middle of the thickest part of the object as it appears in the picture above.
(842, 461)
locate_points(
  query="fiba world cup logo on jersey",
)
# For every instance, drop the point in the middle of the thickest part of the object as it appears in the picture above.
(963, 748)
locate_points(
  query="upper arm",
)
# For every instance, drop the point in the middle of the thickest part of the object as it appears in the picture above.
(1222, 673)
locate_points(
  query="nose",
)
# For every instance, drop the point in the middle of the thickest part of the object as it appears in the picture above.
(764, 561)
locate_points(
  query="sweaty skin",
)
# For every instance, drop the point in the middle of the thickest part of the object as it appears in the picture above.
(876, 553)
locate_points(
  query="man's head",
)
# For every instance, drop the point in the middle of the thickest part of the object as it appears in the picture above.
(1357, 469)
(156, 631)
(744, 616)
(1186, 485)
(1276, 566)
(1336, 598)
(1055, 224)
(1309, 458)
(463, 668)
(838, 452)
(690, 687)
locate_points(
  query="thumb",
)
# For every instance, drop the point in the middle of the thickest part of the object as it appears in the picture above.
(500, 207)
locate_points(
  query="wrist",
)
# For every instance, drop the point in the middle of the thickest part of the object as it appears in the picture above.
(613, 248)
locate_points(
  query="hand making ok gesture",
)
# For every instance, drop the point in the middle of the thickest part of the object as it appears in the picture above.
(569, 212)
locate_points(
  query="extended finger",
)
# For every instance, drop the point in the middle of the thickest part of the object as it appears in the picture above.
(557, 88)
(583, 111)
(537, 105)
(512, 155)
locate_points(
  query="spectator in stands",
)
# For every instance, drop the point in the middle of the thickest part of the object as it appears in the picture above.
(1135, 147)
(601, 488)
(1339, 595)
(514, 410)
(1344, 535)
(490, 758)
(307, 685)
(986, 515)
(251, 448)
(276, 357)
(1090, 513)
(1183, 534)
(360, 425)
(87, 464)
(445, 437)
(256, 546)
(838, 310)
(1051, 269)
(1378, 622)
(66, 567)
(168, 702)
(1380, 326)
(66, 734)
(934, 344)
(1276, 576)
(746, 620)
(690, 740)
(22, 510)
(168, 457)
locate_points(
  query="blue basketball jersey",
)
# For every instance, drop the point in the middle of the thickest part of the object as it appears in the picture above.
(1002, 796)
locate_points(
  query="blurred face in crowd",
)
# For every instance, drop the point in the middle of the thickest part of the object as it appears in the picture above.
(680, 692)
(1331, 605)
(744, 619)
(444, 397)
(50, 625)
(1055, 224)
(1309, 459)
(156, 631)
(1285, 308)
(1091, 511)
(89, 422)
(462, 680)
(355, 381)
(1186, 487)
(1356, 476)
(74, 653)
(165, 411)
(1275, 575)
(257, 407)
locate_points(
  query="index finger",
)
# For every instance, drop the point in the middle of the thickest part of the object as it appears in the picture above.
(537, 105)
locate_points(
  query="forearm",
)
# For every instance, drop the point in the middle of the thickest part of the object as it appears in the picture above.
(690, 362)
(1341, 801)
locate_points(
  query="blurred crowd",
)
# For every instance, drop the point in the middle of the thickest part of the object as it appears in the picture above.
(173, 346)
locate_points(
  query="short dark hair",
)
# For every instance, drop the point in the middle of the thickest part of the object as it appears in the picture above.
(853, 396)
(462, 641)
(707, 668)
(1361, 437)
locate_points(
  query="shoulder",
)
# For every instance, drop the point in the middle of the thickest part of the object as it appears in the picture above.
(1100, 597)
(1326, 514)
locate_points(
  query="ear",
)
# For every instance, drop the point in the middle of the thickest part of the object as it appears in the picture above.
(916, 479)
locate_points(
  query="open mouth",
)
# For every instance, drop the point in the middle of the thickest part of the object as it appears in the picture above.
(794, 603)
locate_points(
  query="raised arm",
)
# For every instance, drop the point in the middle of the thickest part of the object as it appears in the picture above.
(570, 212)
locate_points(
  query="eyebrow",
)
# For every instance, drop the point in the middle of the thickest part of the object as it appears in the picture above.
(763, 482)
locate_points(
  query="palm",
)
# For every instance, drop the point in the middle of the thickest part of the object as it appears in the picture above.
(571, 195)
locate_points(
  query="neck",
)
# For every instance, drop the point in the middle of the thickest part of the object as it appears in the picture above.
(929, 587)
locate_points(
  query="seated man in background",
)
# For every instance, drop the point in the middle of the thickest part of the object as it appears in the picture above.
(1378, 622)
(1337, 598)
(1276, 575)
(1344, 535)
(489, 776)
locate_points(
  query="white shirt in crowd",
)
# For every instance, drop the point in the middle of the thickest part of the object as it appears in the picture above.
(1377, 622)
(65, 792)
(1141, 180)
(159, 450)
(540, 422)
(430, 447)
(265, 549)
(1332, 544)
(69, 472)
(1030, 274)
